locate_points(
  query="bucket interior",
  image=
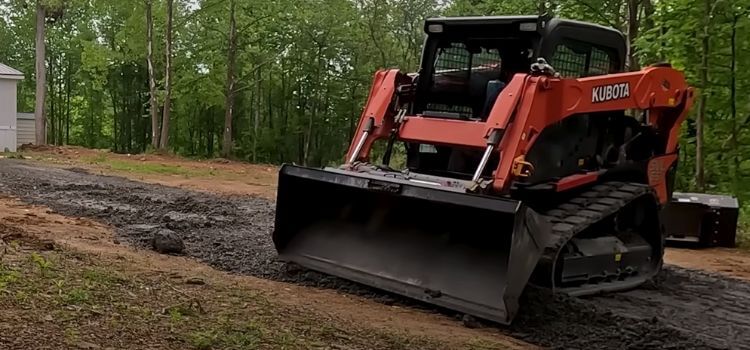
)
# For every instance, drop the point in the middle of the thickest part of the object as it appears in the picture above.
(684, 222)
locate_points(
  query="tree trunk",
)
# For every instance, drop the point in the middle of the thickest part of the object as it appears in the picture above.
(269, 90)
(51, 98)
(309, 133)
(284, 114)
(733, 102)
(116, 134)
(41, 77)
(542, 7)
(700, 181)
(632, 33)
(648, 14)
(210, 128)
(67, 102)
(164, 140)
(90, 133)
(62, 85)
(127, 112)
(226, 147)
(154, 107)
(256, 119)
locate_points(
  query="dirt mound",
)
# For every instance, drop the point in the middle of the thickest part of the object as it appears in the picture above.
(686, 310)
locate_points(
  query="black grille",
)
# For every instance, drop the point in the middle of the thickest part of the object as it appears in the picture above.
(453, 59)
(457, 74)
(441, 107)
(458, 58)
(569, 63)
(600, 62)
(575, 60)
(486, 59)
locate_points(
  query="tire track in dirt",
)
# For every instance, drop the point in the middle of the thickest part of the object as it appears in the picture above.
(683, 310)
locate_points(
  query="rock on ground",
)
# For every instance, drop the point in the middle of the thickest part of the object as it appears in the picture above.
(167, 242)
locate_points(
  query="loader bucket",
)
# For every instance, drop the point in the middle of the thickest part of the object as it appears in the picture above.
(468, 253)
(701, 219)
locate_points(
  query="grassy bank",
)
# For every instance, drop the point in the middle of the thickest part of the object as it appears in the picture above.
(69, 299)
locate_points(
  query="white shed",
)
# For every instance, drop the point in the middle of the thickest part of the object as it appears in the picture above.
(9, 78)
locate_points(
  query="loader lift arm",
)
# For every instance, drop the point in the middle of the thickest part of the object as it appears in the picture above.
(533, 103)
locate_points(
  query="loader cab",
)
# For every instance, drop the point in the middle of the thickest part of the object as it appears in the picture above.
(467, 61)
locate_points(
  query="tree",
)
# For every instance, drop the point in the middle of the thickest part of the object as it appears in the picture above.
(164, 140)
(226, 149)
(154, 106)
(700, 180)
(41, 75)
(633, 25)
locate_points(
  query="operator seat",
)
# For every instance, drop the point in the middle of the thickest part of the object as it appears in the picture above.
(512, 64)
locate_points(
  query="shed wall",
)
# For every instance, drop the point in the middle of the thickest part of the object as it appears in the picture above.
(25, 129)
(8, 115)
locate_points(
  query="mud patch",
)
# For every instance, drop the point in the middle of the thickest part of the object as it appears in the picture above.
(233, 233)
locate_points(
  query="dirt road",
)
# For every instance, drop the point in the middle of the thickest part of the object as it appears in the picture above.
(729, 262)
(686, 310)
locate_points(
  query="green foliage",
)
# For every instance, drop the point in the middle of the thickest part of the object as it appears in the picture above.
(41, 262)
(202, 340)
(229, 336)
(138, 167)
(76, 296)
(7, 276)
(743, 238)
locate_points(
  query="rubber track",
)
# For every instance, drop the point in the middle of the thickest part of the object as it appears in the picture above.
(573, 216)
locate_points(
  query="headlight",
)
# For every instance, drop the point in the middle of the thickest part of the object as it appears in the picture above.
(435, 28)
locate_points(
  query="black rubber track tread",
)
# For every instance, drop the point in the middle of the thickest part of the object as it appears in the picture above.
(576, 214)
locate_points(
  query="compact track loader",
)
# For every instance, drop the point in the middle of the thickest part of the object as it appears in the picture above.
(531, 157)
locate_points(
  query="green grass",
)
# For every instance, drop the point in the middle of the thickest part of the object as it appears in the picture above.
(12, 155)
(8, 276)
(202, 340)
(66, 296)
(42, 263)
(98, 159)
(76, 296)
(102, 277)
(149, 168)
(141, 167)
(229, 337)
